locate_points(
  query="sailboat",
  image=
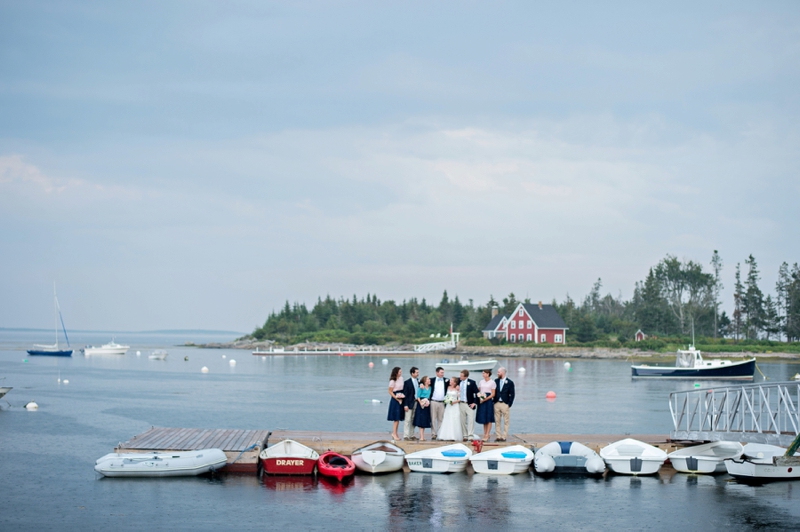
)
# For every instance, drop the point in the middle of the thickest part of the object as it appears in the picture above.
(54, 350)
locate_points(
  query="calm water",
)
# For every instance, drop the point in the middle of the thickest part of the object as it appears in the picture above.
(47, 456)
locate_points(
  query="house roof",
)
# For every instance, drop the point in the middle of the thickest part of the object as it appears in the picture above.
(495, 323)
(546, 317)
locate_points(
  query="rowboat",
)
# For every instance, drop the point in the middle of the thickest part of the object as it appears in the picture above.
(447, 459)
(708, 458)
(567, 457)
(158, 354)
(288, 457)
(503, 461)
(633, 457)
(763, 463)
(471, 365)
(689, 364)
(379, 457)
(157, 464)
(335, 465)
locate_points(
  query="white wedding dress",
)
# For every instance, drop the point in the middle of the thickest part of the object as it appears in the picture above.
(451, 422)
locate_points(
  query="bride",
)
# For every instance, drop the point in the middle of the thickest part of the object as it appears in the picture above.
(451, 422)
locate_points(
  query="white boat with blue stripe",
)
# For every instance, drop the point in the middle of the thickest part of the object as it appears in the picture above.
(447, 459)
(503, 461)
(568, 457)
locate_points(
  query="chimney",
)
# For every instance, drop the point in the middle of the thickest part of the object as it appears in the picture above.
(494, 311)
(540, 305)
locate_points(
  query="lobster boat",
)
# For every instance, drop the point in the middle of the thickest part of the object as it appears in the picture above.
(503, 461)
(288, 457)
(447, 459)
(633, 457)
(567, 457)
(335, 465)
(707, 459)
(689, 364)
(168, 464)
(379, 457)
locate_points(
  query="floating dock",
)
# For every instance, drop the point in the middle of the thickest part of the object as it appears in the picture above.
(242, 447)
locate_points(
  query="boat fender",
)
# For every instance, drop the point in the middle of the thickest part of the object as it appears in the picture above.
(544, 463)
(595, 465)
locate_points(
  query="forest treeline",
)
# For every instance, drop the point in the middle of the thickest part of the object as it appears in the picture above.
(676, 299)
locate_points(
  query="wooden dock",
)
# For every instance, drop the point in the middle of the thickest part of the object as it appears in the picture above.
(242, 458)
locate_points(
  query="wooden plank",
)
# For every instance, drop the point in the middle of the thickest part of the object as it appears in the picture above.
(143, 438)
(191, 443)
(187, 434)
(180, 438)
(218, 436)
(240, 443)
(152, 437)
(169, 439)
(225, 445)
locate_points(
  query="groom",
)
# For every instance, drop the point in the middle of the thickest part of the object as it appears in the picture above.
(438, 391)
(409, 402)
(469, 402)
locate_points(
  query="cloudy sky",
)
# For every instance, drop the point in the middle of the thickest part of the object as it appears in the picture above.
(195, 164)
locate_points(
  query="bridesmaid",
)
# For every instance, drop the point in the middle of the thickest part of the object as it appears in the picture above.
(422, 416)
(485, 414)
(396, 412)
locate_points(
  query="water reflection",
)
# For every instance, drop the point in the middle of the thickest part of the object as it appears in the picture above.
(289, 483)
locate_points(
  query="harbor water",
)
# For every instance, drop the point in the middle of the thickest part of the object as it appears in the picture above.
(87, 404)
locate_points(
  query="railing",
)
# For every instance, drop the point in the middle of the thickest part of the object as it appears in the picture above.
(438, 346)
(760, 413)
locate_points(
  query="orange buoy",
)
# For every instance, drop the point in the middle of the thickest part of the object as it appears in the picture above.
(371, 364)
(551, 394)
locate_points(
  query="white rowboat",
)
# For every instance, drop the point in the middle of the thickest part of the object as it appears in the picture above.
(708, 458)
(447, 459)
(379, 457)
(471, 365)
(177, 464)
(503, 461)
(158, 354)
(567, 457)
(633, 457)
(761, 463)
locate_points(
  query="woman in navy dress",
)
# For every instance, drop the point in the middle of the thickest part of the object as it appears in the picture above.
(396, 412)
(485, 415)
(422, 415)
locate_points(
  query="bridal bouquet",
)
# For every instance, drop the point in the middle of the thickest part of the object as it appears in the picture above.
(449, 400)
(399, 395)
(481, 396)
(424, 403)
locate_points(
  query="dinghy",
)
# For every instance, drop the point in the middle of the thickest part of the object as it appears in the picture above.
(166, 464)
(447, 459)
(379, 457)
(567, 457)
(335, 465)
(633, 457)
(288, 457)
(158, 354)
(707, 459)
(503, 460)
(763, 463)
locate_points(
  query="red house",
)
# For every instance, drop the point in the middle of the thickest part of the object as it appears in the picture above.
(529, 322)
(639, 336)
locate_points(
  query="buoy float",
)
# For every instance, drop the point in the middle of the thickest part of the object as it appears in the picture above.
(551, 394)
(373, 401)
(138, 353)
(204, 369)
(697, 385)
(385, 361)
(521, 370)
(372, 364)
(232, 362)
(567, 365)
(223, 356)
(32, 406)
(66, 381)
(186, 358)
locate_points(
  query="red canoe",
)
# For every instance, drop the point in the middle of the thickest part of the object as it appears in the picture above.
(288, 458)
(335, 465)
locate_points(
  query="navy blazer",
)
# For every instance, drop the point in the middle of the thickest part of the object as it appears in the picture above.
(507, 395)
(410, 394)
(472, 392)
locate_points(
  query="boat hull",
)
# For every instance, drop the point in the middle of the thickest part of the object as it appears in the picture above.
(568, 458)
(104, 351)
(634, 466)
(736, 371)
(335, 465)
(288, 465)
(437, 465)
(633, 457)
(707, 459)
(50, 353)
(477, 365)
(504, 461)
(749, 471)
(377, 462)
(179, 464)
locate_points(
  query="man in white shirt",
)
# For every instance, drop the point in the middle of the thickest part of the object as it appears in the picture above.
(438, 390)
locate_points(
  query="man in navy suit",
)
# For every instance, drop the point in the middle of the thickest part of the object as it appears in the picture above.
(503, 399)
(409, 402)
(469, 402)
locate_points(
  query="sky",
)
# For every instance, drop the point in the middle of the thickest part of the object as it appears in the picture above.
(196, 164)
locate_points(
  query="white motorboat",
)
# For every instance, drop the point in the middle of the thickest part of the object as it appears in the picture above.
(379, 457)
(158, 354)
(689, 364)
(567, 457)
(111, 348)
(761, 463)
(708, 458)
(161, 464)
(503, 460)
(447, 459)
(471, 365)
(4, 390)
(633, 457)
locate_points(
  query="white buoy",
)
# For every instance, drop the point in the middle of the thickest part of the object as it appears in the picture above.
(232, 362)
(204, 369)
(377, 401)
(385, 361)
(138, 353)
(521, 370)
(567, 365)
(32, 406)
(224, 356)
(66, 381)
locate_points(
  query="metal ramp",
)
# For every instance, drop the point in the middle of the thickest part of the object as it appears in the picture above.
(752, 413)
(438, 346)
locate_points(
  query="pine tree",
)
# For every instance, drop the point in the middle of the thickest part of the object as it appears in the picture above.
(772, 321)
(716, 264)
(781, 291)
(738, 292)
(753, 300)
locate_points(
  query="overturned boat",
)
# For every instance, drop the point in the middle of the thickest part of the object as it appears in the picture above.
(161, 464)
(633, 457)
(567, 457)
(447, 459)
(760, 462)
(503, 461)
(379, 457)
(708, 458)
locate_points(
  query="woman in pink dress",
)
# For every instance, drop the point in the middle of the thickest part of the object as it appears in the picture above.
(485, 414)
(396, 412)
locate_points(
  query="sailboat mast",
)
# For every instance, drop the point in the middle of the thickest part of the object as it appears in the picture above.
(55, 313)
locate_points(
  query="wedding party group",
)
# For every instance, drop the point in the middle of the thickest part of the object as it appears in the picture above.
(450, 408)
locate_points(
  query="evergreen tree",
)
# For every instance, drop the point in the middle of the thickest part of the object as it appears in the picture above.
(772, 321)
(738, 294)
(781, 294)
(792, 321)
(753, 300)
(716, 265)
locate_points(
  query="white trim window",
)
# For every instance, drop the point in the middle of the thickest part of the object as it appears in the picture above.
(544, 338)
(530, 337)
(513, 324)
(530, 324)
(559, 339)
(513, 337)
(521, 313)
